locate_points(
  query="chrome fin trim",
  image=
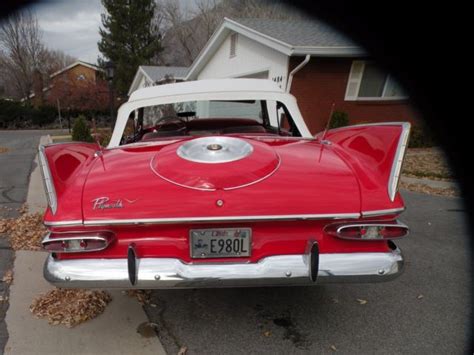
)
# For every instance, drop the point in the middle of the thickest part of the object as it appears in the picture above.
(49, 189)
(398, 161)
(376, 213)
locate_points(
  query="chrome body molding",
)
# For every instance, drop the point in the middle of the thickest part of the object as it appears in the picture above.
(376, 213)
(398, 161)
(70, 223)
(187, 220)
(47, 180)
(224, 219)
(280, 270)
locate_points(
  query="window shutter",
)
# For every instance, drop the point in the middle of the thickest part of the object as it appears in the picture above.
(355, 77)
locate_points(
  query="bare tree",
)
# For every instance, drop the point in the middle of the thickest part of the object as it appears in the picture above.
(21, 51)
(54, 60)
(187, 31)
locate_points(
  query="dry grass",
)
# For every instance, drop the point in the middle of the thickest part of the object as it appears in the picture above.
(70, 307)
(450, 192)
(426, 163)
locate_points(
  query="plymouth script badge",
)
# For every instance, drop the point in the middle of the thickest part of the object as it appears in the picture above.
(104, 203)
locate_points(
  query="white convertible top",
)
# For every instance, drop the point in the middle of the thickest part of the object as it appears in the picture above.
(215, 89)
(206, 86)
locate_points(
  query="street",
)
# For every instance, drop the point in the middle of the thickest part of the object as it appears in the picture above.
(16, 165)
(426, 310)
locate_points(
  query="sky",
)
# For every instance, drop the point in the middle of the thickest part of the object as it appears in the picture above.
(73, 25)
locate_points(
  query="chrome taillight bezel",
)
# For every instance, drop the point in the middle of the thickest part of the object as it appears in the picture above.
(105, 237)
(337, 229)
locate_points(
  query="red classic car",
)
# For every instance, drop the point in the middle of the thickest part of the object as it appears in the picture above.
(219, 183)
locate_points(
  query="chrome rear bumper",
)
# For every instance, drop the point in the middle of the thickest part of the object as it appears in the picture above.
(281, 270)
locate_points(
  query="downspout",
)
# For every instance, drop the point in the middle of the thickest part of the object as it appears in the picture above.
(294, 71)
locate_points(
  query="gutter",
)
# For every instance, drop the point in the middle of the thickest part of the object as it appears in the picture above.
(294, 71)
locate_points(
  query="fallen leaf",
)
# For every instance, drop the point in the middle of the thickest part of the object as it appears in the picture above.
(335, 300)
(3, 298)
(267, 333)
(333, 348)
(361, 301)
(24, 232)
(8, 277)
(183, 350)
(70, 307)
(143, 296)
(3, 149)
(420, 296)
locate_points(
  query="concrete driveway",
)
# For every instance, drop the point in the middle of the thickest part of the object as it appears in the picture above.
(426, 310)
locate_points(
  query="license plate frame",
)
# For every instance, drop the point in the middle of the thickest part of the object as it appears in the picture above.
(206, 235)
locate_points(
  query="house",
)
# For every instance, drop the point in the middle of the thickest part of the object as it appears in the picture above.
(148, 75)
(79, 86)
(327, 68)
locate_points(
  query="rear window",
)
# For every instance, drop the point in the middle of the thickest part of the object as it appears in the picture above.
(192, 110)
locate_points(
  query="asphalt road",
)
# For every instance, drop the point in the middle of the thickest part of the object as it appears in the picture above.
(15, 168)
(426, 310)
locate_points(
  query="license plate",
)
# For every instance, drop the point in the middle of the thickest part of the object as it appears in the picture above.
(220, 242)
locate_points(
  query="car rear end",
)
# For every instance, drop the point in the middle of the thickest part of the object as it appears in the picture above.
(309, 214)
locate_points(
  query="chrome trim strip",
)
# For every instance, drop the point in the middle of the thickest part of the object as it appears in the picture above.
(163, 273)
(47, 180)
(398, 161)
(258, 180)
(221, 219)
(174, 182)
(213, 189)
(72, 223)
(389, 211)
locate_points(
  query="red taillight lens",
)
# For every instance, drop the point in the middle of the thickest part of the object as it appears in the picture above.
(77, 242)
(368, 231)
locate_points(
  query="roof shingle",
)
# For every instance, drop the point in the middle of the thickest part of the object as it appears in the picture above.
(298, 33)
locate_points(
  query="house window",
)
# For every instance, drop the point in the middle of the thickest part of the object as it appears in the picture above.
(81, 77)
(233, 44)
(368, 82)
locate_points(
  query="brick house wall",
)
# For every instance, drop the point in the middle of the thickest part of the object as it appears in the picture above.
(323, 82)
(68, 79)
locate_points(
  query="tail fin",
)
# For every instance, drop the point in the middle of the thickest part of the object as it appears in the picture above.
(375, 152)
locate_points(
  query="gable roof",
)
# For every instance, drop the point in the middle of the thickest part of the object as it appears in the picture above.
(290, 37)
(155, 74)
(76, 63)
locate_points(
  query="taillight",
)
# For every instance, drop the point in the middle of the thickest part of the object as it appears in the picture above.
(71, 242)
(368, 231)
